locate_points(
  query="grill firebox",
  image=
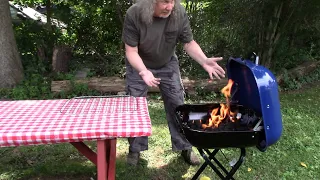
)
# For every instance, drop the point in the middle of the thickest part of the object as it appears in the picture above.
(245, 131)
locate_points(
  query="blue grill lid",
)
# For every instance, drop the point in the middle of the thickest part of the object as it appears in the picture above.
(257, 89)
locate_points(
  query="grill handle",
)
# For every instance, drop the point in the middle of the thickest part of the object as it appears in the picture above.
(254, 57)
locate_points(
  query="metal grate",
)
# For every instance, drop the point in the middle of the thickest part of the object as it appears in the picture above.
(99, 105)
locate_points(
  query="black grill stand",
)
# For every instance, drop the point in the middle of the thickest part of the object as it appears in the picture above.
(210, 155)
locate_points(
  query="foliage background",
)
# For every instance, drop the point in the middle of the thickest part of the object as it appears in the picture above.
(283, 33)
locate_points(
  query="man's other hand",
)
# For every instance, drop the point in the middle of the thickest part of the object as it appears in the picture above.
(212, 67)
(149, 79)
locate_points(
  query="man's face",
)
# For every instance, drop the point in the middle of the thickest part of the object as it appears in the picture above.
(163, 8)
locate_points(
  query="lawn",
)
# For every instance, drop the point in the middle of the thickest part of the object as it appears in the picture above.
(295, 156)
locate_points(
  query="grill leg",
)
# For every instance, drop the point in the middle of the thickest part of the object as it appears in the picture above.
(205, 152)
(238, 164)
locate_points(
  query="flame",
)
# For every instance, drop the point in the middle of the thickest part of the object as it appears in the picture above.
(226, 91)
(223, 111)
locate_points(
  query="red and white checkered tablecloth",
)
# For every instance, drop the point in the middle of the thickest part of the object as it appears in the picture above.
(29, 122)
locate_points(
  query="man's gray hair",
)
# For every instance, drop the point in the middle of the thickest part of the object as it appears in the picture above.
(147, 10)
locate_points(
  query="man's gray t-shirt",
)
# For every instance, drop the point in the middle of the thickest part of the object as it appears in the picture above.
(156, 42)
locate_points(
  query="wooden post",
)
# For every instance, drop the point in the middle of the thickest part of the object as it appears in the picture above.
(60, 58)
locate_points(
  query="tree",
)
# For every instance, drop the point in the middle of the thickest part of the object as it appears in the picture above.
(262, 25)
(11, 70)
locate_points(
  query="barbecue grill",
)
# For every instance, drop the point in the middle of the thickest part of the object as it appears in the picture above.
(256, 122)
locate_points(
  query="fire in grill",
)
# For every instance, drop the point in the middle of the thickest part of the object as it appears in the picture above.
(241, 119)
(250, 117)
(224, 117)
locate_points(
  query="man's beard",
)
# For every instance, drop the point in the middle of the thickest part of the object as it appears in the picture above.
(165, 15)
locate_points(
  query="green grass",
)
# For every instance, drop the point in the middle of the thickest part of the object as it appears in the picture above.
(299, 143)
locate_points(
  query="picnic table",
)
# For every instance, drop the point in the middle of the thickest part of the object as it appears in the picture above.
(101, 119)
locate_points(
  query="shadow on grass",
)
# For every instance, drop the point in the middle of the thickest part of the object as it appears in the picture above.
(65, 163)
(174, 170)
(46, 162)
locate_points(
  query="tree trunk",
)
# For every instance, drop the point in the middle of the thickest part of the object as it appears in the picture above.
(49, 13)
(60, 58)
(272, 36)
(11, 70)
(116, 84)
(299, 71)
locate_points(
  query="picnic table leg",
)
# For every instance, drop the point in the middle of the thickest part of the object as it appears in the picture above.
(106, 159)
(111, 158)
(102, 167)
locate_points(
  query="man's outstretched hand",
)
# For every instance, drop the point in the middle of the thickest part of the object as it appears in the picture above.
(213, 68)
(149, 79)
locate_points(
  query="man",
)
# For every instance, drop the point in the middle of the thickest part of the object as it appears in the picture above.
(152, 29)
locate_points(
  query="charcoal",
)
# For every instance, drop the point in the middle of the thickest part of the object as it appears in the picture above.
(249, 120)
(195, 124)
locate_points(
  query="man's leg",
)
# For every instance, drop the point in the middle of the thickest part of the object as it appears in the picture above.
(135, 86)
(173, 95)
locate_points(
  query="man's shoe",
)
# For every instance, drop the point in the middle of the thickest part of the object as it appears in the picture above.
(190, 157)
(133, 158)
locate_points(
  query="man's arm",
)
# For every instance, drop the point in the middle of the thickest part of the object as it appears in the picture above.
(195, 52)
(209, 64)
(134, 58)
(137, 63)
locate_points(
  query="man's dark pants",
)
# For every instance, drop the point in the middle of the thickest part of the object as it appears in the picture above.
(172, 94)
